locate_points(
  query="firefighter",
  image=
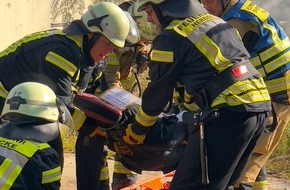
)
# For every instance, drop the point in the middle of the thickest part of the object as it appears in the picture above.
(57, 57)
(205, 55)
(269, 48)
(30, 118)
(119, 72)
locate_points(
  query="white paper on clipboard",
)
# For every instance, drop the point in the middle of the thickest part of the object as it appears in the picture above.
(120, 98)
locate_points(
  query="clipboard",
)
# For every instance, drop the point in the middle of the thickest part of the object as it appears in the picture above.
(120, 98)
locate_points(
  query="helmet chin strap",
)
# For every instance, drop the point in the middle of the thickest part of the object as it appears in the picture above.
(225, 4)
(92, 40)
(89, 42)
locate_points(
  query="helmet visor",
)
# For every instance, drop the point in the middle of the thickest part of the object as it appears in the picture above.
(64, 115)
(133, 35)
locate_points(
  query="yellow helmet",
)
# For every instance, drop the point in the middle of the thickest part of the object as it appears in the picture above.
(105, 18)
(147, 29)
(31, 100)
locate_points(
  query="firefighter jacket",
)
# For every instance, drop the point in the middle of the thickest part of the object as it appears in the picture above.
(49, 57)
(271, 53)
(120, 64)
(205, 55)
(28, 165)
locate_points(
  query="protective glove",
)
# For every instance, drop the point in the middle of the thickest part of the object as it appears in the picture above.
(122, 148)
(132, 138)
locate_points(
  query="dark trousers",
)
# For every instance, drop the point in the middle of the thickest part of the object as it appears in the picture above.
(230, 140)
(89, 161)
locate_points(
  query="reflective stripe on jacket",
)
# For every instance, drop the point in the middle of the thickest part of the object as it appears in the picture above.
(206, 54)
(15, 155)
(49, 57)
(271, 54)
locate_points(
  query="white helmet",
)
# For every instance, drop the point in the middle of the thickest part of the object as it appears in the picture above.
(31, 99)
(105, 18)
(134, 35)
(147, 29)
(32, 111)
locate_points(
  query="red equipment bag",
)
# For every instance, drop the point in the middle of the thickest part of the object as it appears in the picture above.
(97, 109)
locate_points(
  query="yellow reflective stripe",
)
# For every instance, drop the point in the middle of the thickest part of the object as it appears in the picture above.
(128, 82)
(112, 59)
(144, 119)
(279, 84)
(121, 169)
(162, 56)
(104, 173)
(12, 177)
(255, 10)
(191, 107)
(8, 171)
(258, 65)
(278, 62)
(187, 97)
(273, 51)
(260, 185)
(79, 118)
(43, 146)
(3, 91)
(279, 47)
(28, 38)
(243, 92)
(78, 39)
(3, 169)
(51, 175)
(98, 131)
(249, 98)
(213, 53)
(61, 62)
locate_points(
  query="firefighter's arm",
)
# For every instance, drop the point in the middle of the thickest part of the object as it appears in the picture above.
(112, 75)
(158, 93)
(43, 170)
(136, 131)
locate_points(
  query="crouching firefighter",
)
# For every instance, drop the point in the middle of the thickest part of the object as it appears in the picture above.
(31, 118)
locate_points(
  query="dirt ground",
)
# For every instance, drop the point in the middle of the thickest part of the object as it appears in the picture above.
(68, 181)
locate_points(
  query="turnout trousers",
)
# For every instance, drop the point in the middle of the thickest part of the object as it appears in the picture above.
(89, 161)
(230, 140)
(267, 143)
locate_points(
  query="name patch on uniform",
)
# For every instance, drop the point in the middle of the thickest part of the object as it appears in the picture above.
(255, 10)
(190, 24)
(11, 144)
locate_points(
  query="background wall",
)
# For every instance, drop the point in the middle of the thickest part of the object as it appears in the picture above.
(21, 17)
